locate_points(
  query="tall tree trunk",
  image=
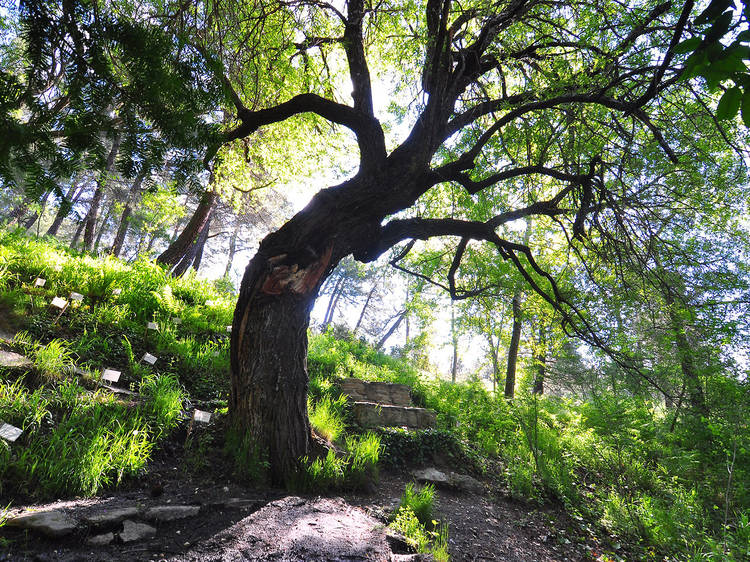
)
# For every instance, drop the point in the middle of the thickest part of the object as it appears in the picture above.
(104, 177)
(194, 255)
(103, 225)
(454, 342)
(541, 362)
(515, 339)
(495, 361)
(77, 235)
(232, 248)
(71, 197)
(332, 302)
(178, 249)
(391, 330)
(364, 309)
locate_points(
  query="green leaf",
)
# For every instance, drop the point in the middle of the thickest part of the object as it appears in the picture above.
(715, 8)
(688, 45)
(746, 108)
(729, 104)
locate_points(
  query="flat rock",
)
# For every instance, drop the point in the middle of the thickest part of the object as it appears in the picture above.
(49, 523)
(171, 512)
(293, 528)
(454, 480)
(14, 360)
(101, 540)
(132, 531)
(111, 517)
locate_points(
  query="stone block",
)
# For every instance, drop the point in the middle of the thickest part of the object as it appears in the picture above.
(49, 523)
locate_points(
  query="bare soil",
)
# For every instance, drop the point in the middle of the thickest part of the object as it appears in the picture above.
(250, 523)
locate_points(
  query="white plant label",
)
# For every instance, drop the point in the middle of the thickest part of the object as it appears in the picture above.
(229, 329)
(148, 358)
(201, 416)
(59, 303)
(76, 296)
(110, 375)
(215, 354)
(10, 432)
(152, 326)
(116, 292)
(177, 321)
(39, 282)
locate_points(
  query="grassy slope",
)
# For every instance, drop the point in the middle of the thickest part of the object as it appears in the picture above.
(612, 461)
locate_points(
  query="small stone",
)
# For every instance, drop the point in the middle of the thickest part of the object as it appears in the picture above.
(101, 540)
(171, 512)
(50, 523)
(10, 359)
(132, 531)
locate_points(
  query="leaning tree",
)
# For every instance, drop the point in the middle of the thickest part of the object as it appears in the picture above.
(599, 86)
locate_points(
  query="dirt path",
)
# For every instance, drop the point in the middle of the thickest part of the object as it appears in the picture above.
(237, 523)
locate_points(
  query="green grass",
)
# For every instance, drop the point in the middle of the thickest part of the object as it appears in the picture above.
(420, 501)
(327, 418)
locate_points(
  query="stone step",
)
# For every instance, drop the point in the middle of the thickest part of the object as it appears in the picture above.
(372, 414)
(381, 392)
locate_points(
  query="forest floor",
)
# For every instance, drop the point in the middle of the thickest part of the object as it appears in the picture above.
(234, 522)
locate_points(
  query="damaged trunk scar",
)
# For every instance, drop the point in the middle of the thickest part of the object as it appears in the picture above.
(292, 278)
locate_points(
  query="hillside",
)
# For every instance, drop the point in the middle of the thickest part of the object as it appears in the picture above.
(603, 479)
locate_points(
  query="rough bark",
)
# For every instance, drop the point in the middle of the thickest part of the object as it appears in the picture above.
(178, 249)
(93, 214)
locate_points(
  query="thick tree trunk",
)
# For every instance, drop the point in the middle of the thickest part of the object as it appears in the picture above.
(515, 340)
(178, 249)
(268, 400)
(93, 214)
